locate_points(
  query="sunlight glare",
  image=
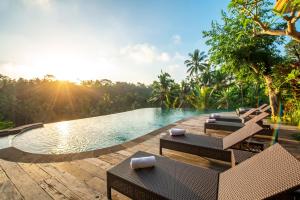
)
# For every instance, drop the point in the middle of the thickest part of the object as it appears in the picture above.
(63, 128)
(71, 65)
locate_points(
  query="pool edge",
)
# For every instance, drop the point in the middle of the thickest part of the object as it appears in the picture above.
(16, 155)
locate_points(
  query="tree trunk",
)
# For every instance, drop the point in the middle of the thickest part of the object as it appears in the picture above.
(257, 94)
(242, 96)
(273, 95)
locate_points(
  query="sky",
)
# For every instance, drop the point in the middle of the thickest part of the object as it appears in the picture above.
(120, 40)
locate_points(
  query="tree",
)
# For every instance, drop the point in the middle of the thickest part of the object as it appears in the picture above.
(260, 13)
(234, 47)
(27, 101)
(199, 97)
(162, 90)
(197, 63)
(219, 80)
(224, 97)
(292, 50)
(184, 93)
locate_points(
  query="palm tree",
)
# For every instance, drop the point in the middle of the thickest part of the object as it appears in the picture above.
(219, 80)
(206, 75)
(184, 93)
(162, 90)
(197, 63)
(224, 97)
(199, 97)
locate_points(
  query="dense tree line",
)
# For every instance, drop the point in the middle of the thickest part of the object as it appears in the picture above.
(47, 100)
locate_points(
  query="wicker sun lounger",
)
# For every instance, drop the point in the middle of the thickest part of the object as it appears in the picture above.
(273, 174)
(233, 126)
(242, 111)
(213, 147)
(242, 118)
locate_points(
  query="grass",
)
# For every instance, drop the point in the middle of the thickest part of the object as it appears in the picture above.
(6, 124)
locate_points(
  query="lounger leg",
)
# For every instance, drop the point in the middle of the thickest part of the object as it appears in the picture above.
(108, 192)
(232, 159)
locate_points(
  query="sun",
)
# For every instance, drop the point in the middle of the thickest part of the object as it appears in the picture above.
(70, 62)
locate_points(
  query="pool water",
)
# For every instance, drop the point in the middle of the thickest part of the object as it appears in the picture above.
(97, 132)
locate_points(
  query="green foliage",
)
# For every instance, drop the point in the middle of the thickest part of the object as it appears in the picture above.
(292, 50)
(292, 112)
(6, 124)
(245, 69)
(163, 89)
(238, 51)
(199, 97)
(47, 100)
(197, 63)
(266, 19)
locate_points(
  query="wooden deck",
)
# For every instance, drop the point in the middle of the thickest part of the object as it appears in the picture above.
(85, 178)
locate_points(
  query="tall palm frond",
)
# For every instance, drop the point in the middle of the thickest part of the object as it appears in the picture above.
(196, 63)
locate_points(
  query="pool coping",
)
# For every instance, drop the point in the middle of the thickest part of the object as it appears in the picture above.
(20, 129)
(17, 155)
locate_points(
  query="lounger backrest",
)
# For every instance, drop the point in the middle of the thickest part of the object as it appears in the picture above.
(262, 106)
(240, 135)
(265, 109)
(249, 112)
(257, 118)
(267, 174)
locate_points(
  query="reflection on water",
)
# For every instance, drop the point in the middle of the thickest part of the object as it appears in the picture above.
(97, 132)
(63, 127)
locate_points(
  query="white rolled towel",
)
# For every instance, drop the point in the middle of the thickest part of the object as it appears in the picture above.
(211, 120)
(177, 131)
(214, 115)
(142, 162)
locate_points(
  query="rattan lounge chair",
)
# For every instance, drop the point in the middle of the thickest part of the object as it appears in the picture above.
(271, 174)
(214, 147)
(234, 126)
(240, 112)
(242, 118)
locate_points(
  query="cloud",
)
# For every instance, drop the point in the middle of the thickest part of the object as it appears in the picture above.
(176, 39)
(172, 68)
(13, 69)
(165, 57)
(140, 53)
(43, 4)
(140, 62)
(144, 53)
(146, 60)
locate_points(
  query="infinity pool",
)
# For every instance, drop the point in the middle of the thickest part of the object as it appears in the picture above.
(97, 132)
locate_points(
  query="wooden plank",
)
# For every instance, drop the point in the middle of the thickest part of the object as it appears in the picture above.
(109, 159)
(76, 186)
(37, 174)
(28, 188)
(61, 189)
(99, 163)
(90, 168)
(51, 185)
(98, 184)
(120, 157)
(74, 170)
(84, 174)
(125, 153)
(93, 176)
(7, 189)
